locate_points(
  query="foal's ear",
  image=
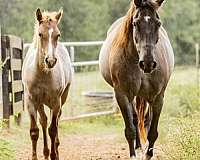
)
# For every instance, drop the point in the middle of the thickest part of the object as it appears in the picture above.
(59, 15)
(159, 2)
(138, 3)
(39, 15)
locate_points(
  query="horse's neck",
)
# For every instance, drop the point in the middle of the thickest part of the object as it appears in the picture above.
(131, 50)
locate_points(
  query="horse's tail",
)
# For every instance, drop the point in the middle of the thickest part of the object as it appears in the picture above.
(141, 106)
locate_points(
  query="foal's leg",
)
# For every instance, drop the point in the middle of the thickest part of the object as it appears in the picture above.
(53, 130)
(153, 131)
(34, 130)
(127, 112)
(43, 122)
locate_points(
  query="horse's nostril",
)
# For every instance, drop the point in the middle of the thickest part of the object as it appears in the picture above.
(154, 65)
(141, 64)
(46, 60)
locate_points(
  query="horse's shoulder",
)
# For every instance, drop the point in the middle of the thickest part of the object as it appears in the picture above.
(115, 25)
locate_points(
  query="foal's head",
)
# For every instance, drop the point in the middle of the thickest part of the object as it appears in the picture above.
(146, 24)
(48, 34)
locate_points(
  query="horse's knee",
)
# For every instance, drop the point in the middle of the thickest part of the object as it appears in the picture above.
(34, 133)
(52, 131)
(130, 133)
(152, 136)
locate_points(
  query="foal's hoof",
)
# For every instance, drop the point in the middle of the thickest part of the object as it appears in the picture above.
(146, 157)
(34, 158)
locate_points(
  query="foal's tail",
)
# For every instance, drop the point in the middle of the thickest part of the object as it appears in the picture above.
(142, 108)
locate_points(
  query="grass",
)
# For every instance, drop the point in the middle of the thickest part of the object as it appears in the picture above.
(6, 150)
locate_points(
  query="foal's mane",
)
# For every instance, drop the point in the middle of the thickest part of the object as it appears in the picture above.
(122, 37)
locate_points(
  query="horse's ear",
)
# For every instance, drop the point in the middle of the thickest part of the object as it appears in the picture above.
(138, 3)
(59, 15)
(159, 2)
(39, 15)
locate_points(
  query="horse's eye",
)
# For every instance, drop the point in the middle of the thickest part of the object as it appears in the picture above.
(40, 34)
(158, 23)
(58, 35)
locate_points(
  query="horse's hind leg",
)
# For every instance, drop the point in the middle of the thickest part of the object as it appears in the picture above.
(43, 122)
(153, 131)
(57, 141)
(135, 122)
(34, 130)
(127, 112)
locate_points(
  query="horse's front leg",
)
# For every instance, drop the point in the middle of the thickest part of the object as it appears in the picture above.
(53, 130)
(34, 130)
(127, 113)
(43, 122)
(153, 131)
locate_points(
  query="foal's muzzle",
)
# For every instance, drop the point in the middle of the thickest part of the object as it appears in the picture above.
(148, 66)
(50, 62)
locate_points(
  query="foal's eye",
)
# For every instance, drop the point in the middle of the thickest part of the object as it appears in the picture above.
(40, 34)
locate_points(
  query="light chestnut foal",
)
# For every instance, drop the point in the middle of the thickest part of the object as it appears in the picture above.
(46, 77)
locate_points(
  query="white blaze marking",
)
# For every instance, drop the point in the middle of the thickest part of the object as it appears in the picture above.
(147, 18)
(50, 46)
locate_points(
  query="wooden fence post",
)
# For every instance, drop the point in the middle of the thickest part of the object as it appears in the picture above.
(5, 78)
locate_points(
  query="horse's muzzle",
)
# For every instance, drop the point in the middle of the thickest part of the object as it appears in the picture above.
(50, 62)
(147, 67)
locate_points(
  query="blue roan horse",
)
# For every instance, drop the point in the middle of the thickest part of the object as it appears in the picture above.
(137, 60)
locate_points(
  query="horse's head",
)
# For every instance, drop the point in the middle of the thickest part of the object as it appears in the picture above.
(48, 33)
(146, 24)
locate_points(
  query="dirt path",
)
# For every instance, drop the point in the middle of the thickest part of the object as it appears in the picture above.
(85, 147)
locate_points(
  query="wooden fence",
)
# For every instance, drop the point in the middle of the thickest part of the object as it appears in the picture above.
(12, 89)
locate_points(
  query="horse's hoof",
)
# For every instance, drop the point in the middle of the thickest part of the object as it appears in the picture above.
(139, 153)
(133, 158)
(146, 157)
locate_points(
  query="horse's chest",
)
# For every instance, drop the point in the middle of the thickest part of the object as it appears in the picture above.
(151, 86)
(45, 91)
(136, 83)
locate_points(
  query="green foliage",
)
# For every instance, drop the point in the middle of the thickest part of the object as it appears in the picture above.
(90, 20)
(6, 151)
(179, 125)
(184, 140)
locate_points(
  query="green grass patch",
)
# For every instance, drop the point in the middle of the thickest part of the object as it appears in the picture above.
(6, 150)
(104, 124)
